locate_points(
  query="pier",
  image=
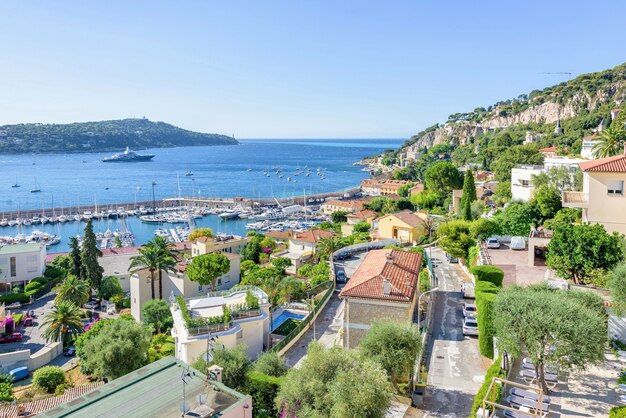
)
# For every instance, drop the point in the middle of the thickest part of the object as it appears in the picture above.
(173, 202)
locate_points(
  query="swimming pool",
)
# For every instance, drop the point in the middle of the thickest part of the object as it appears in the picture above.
(285, 315)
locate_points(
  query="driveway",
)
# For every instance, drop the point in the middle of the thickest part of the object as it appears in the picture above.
(455, 366)
(327, 326)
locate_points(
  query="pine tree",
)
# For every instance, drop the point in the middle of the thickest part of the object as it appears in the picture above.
(77, 263)
(468, 196)
(89, 256)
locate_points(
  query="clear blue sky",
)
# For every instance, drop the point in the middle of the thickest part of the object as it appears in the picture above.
(292, 68)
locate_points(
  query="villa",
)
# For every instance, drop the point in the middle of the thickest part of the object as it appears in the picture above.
(228, 317)
(602, 199)
(219, 244)
(384, 287)
(20, 263)
(366, 215)
(405, 226)
(302, 246)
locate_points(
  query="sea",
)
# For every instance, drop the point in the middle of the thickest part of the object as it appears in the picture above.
(213, 171)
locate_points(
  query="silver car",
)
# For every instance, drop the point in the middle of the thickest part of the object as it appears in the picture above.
(493, 243)
(470, 327)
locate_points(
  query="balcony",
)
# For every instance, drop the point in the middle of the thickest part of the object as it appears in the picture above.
(575, 200)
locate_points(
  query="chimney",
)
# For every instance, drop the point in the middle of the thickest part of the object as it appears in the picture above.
(386, 287)
(215, 373)
(389, 258)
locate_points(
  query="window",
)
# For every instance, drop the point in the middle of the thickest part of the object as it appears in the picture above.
(615, 188)
(13, 267)
(525, 183)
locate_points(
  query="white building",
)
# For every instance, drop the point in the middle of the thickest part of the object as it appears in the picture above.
(589, 142)
(21, 263)
(522, 187)
(177, 283)
(246, 325)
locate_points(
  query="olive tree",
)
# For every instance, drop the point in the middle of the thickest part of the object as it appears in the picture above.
(555, 327)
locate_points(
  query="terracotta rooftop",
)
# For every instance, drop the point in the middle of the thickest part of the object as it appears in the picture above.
(408, 217)
(615, 164)
(363, 214)
(399, 268)
(312, 235)
(356, 204)
(279, 235)
(592, 137)
(549, 149)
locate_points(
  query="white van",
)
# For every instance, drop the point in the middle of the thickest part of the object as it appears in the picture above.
(518, 243)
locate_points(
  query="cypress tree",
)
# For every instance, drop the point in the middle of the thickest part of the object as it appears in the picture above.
(76, 258)
(89, 255)
(468, 196)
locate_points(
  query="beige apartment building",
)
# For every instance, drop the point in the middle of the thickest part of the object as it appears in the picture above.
(385, 288)
(602, 200)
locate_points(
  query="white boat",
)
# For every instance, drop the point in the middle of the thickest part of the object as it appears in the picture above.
(87, 215)
(228, 215)
(62, 219)
(4, 222)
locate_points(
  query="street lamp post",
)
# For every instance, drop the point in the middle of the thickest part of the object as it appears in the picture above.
(154, 183)
(419, 311)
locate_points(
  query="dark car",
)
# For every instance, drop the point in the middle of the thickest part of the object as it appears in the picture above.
(70, 351)
(452, 259)
(341, 277)
(11, 338)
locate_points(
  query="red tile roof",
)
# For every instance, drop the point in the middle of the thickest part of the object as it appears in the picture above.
(549, 149)
(615, 164)
(279, 235)
(312, 235)
(399, 268)
(407, 217)
(348, 204)
(363, 214)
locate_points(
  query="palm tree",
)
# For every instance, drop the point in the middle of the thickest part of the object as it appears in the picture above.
(166, 260)
(148, 259)
(73, 290)
(611, 143)
(327, 246)
(63, 322)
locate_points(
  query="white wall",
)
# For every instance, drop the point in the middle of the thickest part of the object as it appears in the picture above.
(519, 191)
(28, 264)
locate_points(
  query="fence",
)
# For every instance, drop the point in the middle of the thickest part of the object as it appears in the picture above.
(305, 323)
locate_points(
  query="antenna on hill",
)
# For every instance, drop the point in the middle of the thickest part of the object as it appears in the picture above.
(559, 72)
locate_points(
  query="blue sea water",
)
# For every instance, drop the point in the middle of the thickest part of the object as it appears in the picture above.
(219, 171)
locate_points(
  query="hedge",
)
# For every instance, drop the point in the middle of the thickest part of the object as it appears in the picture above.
(486, 287)
(617, 412)
(54, 272)
(484, 306)
(48, 378)
(488, 274)
(6, 392)
(263, 389)
(496, 395)
(35, 293)
(33, 286)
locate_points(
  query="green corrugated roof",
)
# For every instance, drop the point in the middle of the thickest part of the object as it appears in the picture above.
(19, 248)
(153, 391)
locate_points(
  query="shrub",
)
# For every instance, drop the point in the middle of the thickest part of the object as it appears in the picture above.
(6, 392)
(474, 252)
(486, 287)
(47, 378)
(33, 285)
(17, 318)
(15, 297)
(270, 364)
(617, 412)
(424, 280)
(488, 274)
(493, 371)
(54, 272)
(484, 304)
(263, 389)
(42, 280)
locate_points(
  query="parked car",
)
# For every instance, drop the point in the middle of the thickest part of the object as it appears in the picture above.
(518, 243)
(70, 351)
(341, 277)
(451, 258)
(92, 304)
(14, 305)
(19, 373)
(493, 243)
(31, 313)
(28, 322)
(470, 327)
(469, 310)
(468, 290)
(11, 338)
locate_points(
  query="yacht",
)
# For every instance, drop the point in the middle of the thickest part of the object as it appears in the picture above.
(189, 173)
(16, 185)
(127, 156)
(36, 189)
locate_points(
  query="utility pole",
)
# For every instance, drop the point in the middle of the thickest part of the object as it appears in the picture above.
(154, 183)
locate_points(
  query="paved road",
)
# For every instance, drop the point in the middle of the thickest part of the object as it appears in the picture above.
(327, 326)
(455, 367)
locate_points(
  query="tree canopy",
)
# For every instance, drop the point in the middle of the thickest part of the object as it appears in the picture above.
(200, 232)
(456, 238)
(442, 178)
(513, 156)
(156, 312)
(524, 322)
(234, 361)
(207, 268)
(575, 251)
(324, 386)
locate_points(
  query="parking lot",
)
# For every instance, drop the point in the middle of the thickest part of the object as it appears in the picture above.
(514, 263)
(349, 265)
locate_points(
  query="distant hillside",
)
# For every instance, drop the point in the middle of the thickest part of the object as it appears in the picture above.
(108, 135)
(580, 104)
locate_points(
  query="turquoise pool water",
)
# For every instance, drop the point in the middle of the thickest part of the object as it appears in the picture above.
(278, 321)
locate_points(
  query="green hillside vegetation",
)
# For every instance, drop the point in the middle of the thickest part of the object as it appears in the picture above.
(501, 149)
(106, 135)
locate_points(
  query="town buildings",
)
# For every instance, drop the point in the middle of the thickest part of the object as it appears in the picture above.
(367, 215)
(302, 246)
(348, 205)
(522, 187)
(372, 187)
(385, 288)
(21, 263)
(602, 199)
(232, 322)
